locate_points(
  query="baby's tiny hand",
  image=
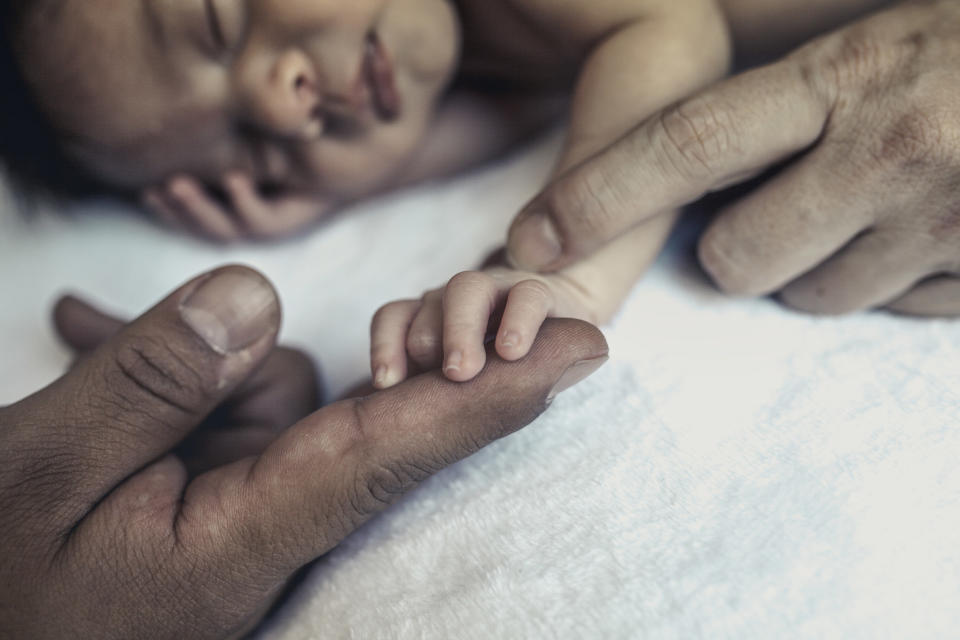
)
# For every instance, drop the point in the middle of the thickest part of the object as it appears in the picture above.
(184, 203)
(450, 326)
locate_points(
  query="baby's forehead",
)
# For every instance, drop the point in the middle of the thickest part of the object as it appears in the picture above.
(118, 99)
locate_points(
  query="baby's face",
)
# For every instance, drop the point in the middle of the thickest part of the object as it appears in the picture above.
(328, 96)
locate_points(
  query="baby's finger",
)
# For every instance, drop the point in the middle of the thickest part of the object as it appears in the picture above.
(424, 344)
(468, 301)
(388, 342)
(206, 215)
(252, 209)
(528, 305)
(166, 211)
(270, 217)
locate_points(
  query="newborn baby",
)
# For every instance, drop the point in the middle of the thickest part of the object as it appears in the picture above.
(257, 117)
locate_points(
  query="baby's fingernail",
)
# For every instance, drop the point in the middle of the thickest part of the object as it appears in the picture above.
(233, 179)
(511, 339)
(454, 360)
(179, 187)
(380, 377)
(534, 242)
(577, 373)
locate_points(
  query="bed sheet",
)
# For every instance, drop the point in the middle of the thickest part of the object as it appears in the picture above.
(736, 470)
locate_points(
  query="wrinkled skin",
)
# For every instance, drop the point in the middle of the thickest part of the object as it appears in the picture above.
(866, 211)
(121, 517)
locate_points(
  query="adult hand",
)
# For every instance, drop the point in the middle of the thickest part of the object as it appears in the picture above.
(867, 215)
(281, 391)
(106, 535)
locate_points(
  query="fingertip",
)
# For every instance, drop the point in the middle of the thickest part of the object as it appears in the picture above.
(453, 365)
(510, 346)
(577, 339)
(385, 377)
(65, 304)
(237, 182)
(462, 366)
(180, 187)
(534, 243)
(380, 378)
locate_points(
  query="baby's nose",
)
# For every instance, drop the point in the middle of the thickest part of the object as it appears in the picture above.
(284, 99)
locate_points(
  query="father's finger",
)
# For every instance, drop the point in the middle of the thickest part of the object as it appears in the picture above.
(334, 470)
(874, 269)
(937, 297)
(725, 135)
(82, 326)
(144, 390)
(788, 226)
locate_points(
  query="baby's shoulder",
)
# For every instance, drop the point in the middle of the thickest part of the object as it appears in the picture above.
(543, 39)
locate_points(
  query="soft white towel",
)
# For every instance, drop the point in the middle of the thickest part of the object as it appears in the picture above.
(736, 471)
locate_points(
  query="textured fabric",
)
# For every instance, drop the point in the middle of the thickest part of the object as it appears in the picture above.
(737, 470)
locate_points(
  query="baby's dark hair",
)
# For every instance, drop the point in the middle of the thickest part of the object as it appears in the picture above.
(30, 149)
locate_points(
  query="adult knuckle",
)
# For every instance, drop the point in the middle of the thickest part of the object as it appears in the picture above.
(697, 135)
(432, 297)
(351, 437)
(727, 271)
(471, 281)
(856, 59)
(919, 139)
(148, 368)
(533, 290)
(422, 345)
(845, 61)
(378, 486)
(384, 313)
(942, 229)
(376, 483)
(860, 59)
(583, 204)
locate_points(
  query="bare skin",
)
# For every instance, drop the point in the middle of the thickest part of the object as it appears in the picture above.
(645, 55)
(449, 326)
(170, 484)
(324, 139)
(864, 214)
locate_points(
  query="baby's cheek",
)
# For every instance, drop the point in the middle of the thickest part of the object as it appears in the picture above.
(350, 169)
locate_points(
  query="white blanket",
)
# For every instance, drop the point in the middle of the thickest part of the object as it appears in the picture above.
(736, 471)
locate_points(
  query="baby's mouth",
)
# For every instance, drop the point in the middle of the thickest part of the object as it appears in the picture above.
(379, 75)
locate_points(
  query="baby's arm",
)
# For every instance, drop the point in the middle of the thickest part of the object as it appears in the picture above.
(644, 56)
(450, 326)
(653, 54)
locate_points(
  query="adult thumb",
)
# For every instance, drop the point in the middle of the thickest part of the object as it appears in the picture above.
(142, 391)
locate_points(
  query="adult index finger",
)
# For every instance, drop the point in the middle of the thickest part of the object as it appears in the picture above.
(334, 470)
(723, 136)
